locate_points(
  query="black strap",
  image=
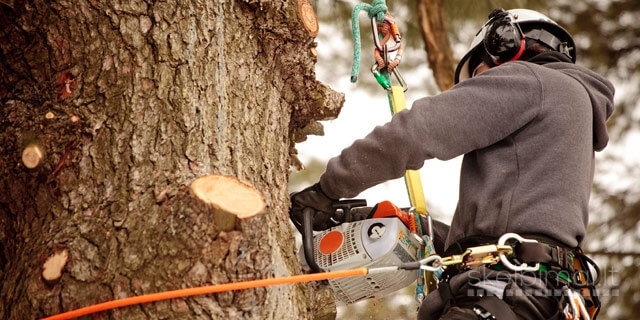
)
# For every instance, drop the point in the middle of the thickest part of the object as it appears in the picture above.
(582, 278)
(536, 252)
(496, 308)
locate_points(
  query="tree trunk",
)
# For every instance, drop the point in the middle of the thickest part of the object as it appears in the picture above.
(128, 103)
(434, 33)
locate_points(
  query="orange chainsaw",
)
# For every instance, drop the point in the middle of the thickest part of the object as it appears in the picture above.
(389, 237)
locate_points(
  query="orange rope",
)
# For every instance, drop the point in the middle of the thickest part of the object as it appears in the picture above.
(181, 293)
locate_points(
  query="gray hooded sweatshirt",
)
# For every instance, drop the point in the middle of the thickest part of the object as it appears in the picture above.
(528, 133)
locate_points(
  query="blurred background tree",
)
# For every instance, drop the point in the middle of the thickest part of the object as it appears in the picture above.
(608, 39)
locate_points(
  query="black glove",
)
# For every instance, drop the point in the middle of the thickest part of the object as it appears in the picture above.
(313, 197)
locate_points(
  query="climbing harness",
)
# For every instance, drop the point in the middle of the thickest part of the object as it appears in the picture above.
(566, 270)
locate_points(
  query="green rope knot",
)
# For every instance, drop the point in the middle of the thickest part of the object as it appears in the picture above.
(377, 9)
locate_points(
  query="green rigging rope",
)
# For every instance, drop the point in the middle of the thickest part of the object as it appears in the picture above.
(377, 9)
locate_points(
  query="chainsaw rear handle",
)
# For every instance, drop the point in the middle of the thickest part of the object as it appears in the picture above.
(307, 238)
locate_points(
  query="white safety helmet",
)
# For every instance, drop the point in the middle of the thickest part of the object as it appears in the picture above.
(502, 39)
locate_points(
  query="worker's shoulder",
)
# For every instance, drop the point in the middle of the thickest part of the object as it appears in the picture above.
(547, 73)
(546, 69)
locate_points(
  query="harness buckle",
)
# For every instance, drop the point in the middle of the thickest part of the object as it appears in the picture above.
(477, 256)
(503, 257)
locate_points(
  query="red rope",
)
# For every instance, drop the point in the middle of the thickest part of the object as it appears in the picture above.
(181, 293)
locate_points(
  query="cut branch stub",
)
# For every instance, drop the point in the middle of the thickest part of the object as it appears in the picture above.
(229, 194)
(308, 17)
(52, 268)
(32, 155)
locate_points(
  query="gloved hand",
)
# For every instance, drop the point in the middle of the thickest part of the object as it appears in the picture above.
(312, 197)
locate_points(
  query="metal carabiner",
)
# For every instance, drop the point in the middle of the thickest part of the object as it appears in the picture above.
(478, 256)
(396, 72)
(395, 34)
(432, 263)
(576, 304)
(505, 260)
(380, 78)
(384, 81)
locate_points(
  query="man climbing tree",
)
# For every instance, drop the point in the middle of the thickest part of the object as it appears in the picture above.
(528, 121)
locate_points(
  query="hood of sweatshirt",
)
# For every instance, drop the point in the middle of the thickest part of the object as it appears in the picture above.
(601, 91)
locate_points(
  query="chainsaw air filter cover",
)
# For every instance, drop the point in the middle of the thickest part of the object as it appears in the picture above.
(367, 243)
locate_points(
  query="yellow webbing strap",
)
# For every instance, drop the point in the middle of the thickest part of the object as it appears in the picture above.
(411, 177)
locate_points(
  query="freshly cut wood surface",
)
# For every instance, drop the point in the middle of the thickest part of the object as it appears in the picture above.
(52, 268)
(229, 194)
(32, 155)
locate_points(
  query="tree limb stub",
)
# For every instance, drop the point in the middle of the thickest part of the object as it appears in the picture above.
(229, 194)
(32, 155)
(52, 268)
(308, 17)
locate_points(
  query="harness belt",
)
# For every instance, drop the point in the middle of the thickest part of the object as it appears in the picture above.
(567, 267)
(474, 241)
(536, 252)
(572, 262)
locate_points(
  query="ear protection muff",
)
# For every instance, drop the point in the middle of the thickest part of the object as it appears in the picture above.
(504, 40)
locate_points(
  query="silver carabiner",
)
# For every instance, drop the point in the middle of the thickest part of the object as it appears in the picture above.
(376, 38)
(396, 72)
(576, 304)
(432, 263)
(505, 260)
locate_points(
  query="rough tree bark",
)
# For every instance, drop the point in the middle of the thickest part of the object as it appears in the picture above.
(434, 33)
(130, 101)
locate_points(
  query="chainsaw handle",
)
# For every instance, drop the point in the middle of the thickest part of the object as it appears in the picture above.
(307, 238)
